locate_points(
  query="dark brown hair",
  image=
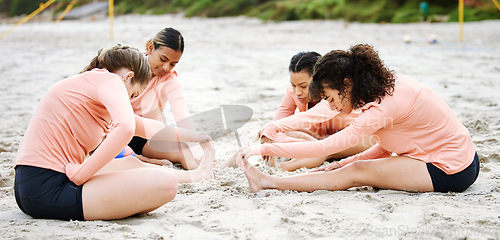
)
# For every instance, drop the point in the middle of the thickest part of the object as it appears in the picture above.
(369, 78)
(168, 37)
(304, 61)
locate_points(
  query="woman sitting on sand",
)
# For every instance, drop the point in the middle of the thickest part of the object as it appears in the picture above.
(315, 120)
(55, 180)
(163, 53)
(421, 145)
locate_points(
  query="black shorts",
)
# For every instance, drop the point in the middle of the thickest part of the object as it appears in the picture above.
(457, 182)
(45, 193)
(137, 144)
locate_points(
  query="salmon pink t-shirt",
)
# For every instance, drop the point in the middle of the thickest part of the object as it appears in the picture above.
(290, 103)
(160, 90)
(72, 118)
(151, 103)
(413, 121)
(318, 119)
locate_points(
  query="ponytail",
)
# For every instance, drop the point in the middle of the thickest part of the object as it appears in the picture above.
(94, 63)
(122, 56)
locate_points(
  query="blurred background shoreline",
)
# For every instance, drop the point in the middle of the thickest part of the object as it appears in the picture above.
(363, 11)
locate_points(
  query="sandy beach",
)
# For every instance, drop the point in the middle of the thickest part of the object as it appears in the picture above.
(245, 61)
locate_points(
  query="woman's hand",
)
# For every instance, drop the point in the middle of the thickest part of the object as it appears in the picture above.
(207, 145)
(327, 168)
(209, 151)
(263, 140)
(69, 166)
(259, 135)
(205, 138)
(243, 153)
(161, 162)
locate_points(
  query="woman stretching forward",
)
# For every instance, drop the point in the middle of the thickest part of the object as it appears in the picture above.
(55, 180)
(163, 52)
(421, 145)
(314, 121)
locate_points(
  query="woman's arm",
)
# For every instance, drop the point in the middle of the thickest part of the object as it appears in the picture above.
(287, 107)
(365, 125)
(376, 151)
(155, 130)
(113, 95)
(175, 96)
(321, 112)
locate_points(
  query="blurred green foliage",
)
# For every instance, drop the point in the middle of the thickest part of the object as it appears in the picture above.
(12, 8)
(18, 7)
(393, 11)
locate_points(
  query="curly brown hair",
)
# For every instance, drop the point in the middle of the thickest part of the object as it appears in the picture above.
(369, 78)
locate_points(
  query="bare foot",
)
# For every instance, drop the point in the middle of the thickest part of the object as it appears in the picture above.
(208, 147)
(204, 170)
(161, 162)
(231, 162)
(256, 179)
(271, 161)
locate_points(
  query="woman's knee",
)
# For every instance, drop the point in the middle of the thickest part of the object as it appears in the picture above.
(359, 171)
(300, 135)
(167, 185)
(358, 166)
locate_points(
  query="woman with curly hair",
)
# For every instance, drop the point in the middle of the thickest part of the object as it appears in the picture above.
(421, 145)
(313, 121)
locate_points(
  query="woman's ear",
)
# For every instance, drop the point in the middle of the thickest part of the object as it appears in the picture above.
(129, 75)
(151, 47)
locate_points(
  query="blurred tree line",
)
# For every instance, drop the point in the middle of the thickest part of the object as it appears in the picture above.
(394, 11)
(12, 8)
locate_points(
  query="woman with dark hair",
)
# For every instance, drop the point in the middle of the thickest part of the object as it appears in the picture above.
(421, 145)
(163, 52)
(314, 121)
(301, 69)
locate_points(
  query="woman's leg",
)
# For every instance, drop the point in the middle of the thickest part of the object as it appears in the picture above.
(183, 156)
(161, 162)
(203, 171)
(120, 194)
(128, 186)
(231, 162)
(297, 163)
(301, 135)
(399, 173)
